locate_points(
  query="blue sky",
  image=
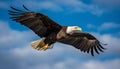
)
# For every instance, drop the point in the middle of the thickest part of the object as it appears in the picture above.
(98, 17)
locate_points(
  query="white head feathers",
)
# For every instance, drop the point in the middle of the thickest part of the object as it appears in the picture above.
(72, 29)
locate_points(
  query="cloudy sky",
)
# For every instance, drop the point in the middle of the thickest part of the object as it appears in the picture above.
(98, 17)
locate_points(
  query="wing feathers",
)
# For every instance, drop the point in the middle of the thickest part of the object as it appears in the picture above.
(96, 50)
(99, 48)
(11, 11)
(39, 23)
(85, 42)
(92, 52)
(89, 49)
(16, 9)
(26, 8)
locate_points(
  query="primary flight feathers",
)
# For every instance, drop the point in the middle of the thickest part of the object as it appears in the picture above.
(52, 32)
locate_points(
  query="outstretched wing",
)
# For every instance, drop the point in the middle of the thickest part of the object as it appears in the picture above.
(39, 23)
(83, 41)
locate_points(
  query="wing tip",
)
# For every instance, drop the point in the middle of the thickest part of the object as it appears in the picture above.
(15, 13)
(25, 7)
(15, 10)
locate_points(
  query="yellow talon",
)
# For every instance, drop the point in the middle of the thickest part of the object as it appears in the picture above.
(45, 47)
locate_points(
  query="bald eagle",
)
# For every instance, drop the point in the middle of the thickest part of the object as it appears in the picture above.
(51, 32)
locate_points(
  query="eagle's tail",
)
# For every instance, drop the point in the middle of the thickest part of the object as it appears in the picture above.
(38, 44)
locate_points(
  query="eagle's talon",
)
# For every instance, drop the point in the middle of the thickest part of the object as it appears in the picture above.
(45, 47)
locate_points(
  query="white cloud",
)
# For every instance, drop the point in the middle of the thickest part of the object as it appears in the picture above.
(79, 6)
(96, 10)
(113, 44)
(113, 64)
(109, 25)
(50, 5)
(109, 4)
(11, 38)
(104, 26)
(75, 64)
(43, 5)
(75, 5)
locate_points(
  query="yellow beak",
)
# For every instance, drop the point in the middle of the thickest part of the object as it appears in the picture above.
(78, 29)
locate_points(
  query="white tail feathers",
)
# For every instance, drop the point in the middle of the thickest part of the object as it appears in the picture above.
(38, 44)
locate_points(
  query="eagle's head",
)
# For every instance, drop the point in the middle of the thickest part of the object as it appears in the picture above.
(73, 29)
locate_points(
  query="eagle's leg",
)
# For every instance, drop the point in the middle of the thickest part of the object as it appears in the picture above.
(41, 45)
(38, 44)
(45, 47)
